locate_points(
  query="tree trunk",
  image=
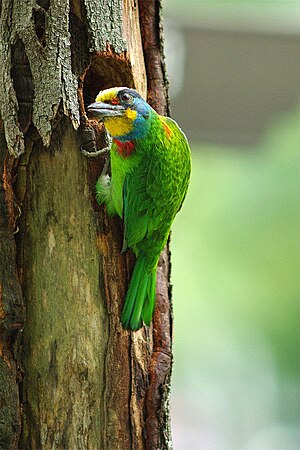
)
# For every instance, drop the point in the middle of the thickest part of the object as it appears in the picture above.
(70, 376)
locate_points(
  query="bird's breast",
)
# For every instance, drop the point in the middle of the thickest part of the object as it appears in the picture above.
(124, 149)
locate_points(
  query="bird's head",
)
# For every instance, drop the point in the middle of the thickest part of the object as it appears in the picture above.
(124, 112)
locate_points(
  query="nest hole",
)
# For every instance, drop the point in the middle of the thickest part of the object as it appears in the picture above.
(105, 72)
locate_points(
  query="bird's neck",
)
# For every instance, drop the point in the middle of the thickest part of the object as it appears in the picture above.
(126, 145)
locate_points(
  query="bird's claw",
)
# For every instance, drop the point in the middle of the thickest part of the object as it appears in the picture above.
(105, 168)
(99, 152)
(94, 154)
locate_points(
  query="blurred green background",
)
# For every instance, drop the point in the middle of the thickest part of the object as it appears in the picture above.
(235, 244)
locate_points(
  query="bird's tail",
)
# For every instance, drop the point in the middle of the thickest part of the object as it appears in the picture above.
(140, 298)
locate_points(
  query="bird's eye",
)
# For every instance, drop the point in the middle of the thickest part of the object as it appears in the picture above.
(127, 98)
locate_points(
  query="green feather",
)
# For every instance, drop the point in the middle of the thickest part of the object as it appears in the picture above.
(140, 297)
(149, 304)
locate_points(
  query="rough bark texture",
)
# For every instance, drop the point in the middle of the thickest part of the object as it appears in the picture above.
(83, 382)
(11, 309)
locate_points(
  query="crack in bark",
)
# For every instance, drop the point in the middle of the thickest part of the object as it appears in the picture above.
(11, 308)
(50, 66)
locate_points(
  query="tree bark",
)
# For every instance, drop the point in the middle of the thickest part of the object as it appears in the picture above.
(70, 376)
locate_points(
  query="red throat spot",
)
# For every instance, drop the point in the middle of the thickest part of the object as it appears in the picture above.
(124, 149)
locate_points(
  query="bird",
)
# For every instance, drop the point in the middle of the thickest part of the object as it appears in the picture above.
(150, 163)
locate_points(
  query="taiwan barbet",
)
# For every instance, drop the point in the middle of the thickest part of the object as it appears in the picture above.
(150, 172)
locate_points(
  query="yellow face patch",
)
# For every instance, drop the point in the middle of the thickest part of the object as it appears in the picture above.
(119, 126)
(108, 94)
(130, 114)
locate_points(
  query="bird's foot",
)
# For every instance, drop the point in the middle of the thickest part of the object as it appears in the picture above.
(90, 143)
(94, 154)
(104, 172)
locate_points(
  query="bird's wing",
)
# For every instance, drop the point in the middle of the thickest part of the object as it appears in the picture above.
(140, 207)
(154, 191)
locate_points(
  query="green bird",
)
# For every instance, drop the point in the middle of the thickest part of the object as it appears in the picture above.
(150, 172)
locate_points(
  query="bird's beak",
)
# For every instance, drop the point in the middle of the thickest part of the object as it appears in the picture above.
(103, 110)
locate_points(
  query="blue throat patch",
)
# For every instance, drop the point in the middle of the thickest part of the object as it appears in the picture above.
(141, 124)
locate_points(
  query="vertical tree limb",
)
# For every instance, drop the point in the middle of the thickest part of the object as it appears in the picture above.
(87, 383)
